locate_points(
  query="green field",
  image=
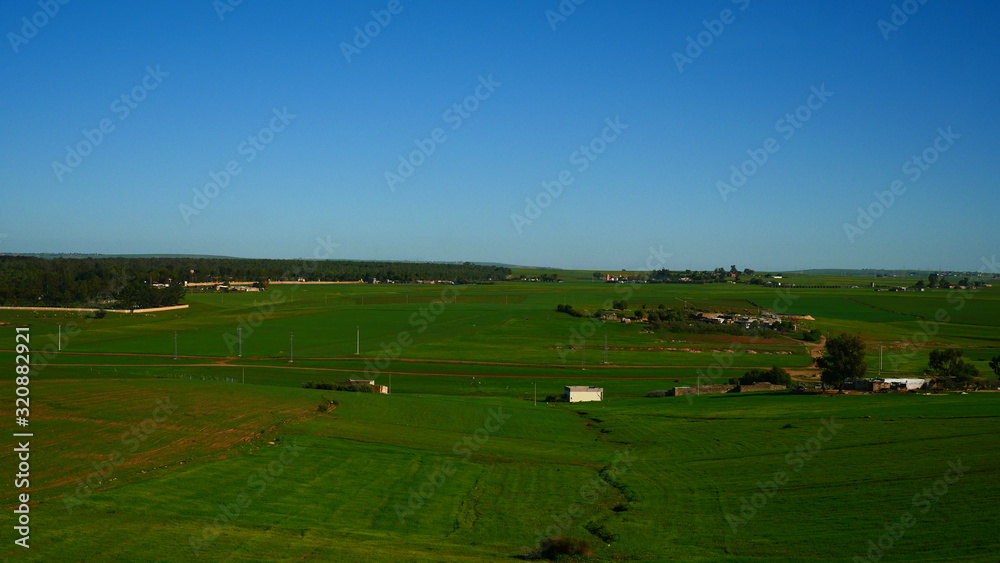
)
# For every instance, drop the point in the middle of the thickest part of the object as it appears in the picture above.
(141, 456)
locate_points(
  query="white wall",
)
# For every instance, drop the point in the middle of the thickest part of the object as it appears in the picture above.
(579, 396)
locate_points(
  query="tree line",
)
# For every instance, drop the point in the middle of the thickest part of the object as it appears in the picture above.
(63, 282)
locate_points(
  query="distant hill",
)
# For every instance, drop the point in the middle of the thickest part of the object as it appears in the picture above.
(53, 255)
(871, 272)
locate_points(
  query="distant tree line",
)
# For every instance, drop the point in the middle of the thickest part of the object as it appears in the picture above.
(60, 282)
(704, 276)
(937, 281)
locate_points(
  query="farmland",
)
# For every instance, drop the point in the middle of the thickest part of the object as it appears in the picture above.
(219, 453)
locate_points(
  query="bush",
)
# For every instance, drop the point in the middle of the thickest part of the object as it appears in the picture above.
(569, 310)
(327, 405)
(554, 547)
(327, 386)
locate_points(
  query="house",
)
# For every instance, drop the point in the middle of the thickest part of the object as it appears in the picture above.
(580, 393)
(876, 385)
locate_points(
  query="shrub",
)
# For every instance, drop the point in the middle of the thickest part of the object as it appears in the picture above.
(554, 547)
(327, 386)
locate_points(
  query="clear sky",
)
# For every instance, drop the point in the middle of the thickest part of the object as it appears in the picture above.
(314, 117)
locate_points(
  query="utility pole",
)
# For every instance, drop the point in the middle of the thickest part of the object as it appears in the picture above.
(583, 356)
(175, 344)
(357, 350)
(239, 340)
(291, 347)
(60, 338)
(880, 359)
(535, 385)
(605, 348)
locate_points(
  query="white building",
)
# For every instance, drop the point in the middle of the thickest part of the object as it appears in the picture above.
(580, 393)
(909, 383)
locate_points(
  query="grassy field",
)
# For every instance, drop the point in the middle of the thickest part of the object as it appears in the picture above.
(138, 456)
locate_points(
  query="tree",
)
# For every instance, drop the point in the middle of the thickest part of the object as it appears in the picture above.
(919, 284)
(951, 367)
(733, 270)
(995, 365)
(813, 335)
(932, 280)
(776, 376)
(597, 276)
(843, 359)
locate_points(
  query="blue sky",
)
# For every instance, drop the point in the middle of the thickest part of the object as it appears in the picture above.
(201, 90)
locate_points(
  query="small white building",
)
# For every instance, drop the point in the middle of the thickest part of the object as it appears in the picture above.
(580, 393)
(908, 383)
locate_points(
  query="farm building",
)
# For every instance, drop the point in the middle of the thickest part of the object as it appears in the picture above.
(889, 384)
(717, 389)
(580, 393)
